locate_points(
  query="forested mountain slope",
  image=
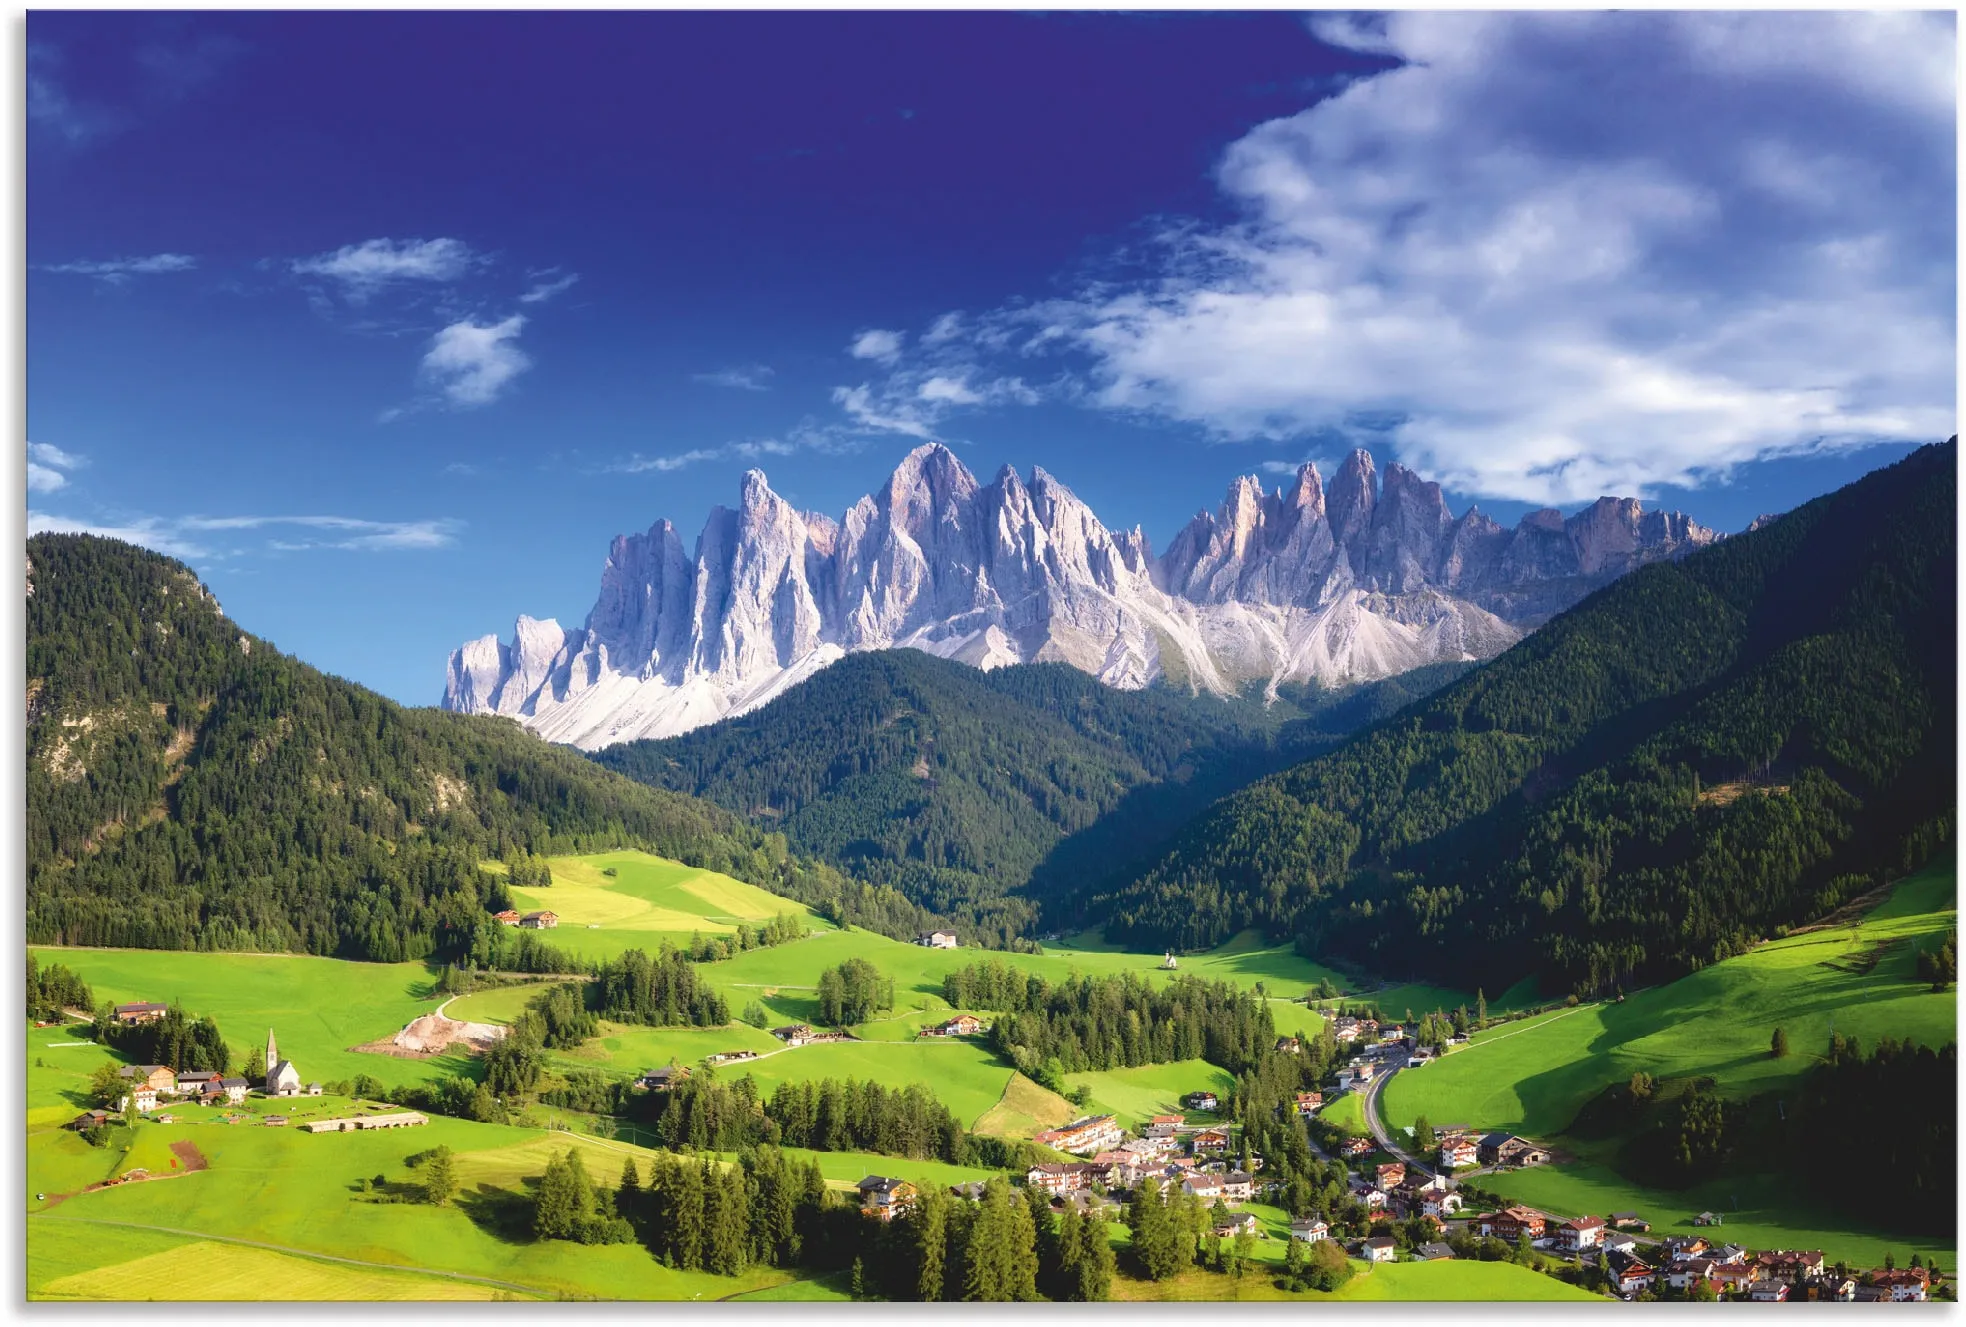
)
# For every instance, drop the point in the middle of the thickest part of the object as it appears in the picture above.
(966, 788)
(190, 787)
(1697, 754)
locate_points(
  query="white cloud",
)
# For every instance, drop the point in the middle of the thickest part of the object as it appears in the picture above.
(147, 532)
(807, 437)
(176, 536)
(472, 362)
(883, 347)
(744, 378)
(115, 271)
(365, 268)
(1558, 254)
(46, 464)
(544, 290)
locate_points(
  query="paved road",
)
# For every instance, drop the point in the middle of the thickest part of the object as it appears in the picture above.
(1377, 1125)
(305, 1253)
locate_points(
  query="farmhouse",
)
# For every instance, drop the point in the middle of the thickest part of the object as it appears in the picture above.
(145, 1098)
(1631, 1275)
(729, 1057)
(89, 1119)
(938, 940)
(661, 1080)
(1310, 1229)
(1380, 1249)
(1310, 1103)
(540, 921)
(400, 1119)
(884, 1198)
(1208, 1188)
(235, 1089)
(196, 1083)
(1059, 1178)
(1431, 1252)
(1201, 1101)
(1370, 1197)
(1630, 1221)
(1290, 1046)
(157, 1077)
(1357, 1147)
(1512, 1223)
(1905, 1285)
(509, 917)
(140, 1012)
(1208, 1140)
(1238, 1187)
(962, 1025)
(1459, 1153)
(1501, 1149)
(1580, 1234)
(798, 1034)
(1083, 1137)
(1246, 1224)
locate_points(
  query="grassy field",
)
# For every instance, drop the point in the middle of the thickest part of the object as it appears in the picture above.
(319, 1007)
(644, 901)
(1448, 1280)
(208, 1270)
(1532, 1077)
(1347, 1112)
(1151, 1089)
(1025, 1109)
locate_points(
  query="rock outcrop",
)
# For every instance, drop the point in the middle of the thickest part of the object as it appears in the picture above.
(1336, 583)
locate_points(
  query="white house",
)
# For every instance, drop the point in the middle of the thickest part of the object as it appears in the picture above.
(1309, 1229)
(938, 940)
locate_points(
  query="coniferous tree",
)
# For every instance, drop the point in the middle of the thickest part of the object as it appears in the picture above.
(929, 1242)
(556, 1208)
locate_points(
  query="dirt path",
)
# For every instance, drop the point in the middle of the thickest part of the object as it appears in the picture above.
(304, 1253)
(187, 1152)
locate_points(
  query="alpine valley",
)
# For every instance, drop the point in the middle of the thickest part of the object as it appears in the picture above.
(1327, 584)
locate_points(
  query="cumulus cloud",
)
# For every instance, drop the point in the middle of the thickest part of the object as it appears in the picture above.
(1552, 255)
(883, 347)
(744, 378)
(470, 363)
(363, 269)
(47, 467)
(115, 271)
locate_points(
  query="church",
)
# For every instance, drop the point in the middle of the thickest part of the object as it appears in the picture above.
(282, 1079)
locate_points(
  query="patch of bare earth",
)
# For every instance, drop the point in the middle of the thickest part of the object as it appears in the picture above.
(433, 1034)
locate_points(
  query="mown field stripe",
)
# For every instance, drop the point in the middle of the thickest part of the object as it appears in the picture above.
(301, 1253)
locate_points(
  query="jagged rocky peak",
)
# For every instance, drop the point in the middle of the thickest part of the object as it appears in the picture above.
(1336, 581)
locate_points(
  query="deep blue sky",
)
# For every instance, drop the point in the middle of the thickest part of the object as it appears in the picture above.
(276, 263)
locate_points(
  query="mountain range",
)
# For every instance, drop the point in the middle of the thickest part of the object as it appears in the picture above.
(1325, 583)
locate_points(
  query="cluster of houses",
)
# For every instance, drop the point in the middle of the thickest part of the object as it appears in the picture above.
(531, 921)
(1459, 1149)
(803, 1034)
(152, 1084)
(1774, 1276)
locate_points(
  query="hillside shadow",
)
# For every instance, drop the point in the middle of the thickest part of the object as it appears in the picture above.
(504, 1215)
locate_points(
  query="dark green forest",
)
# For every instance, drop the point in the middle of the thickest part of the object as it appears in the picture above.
(989, 796)
(1697, 754)
(190, 787)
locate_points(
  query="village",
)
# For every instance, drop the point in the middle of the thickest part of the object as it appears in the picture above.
(153, 1090)
(1200, 1158)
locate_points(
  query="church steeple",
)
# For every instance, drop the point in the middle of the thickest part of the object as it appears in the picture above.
(272, 1053)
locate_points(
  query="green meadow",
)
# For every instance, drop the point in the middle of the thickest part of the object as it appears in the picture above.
(1532, 1077)
(1140, 1093)
(320, 1007)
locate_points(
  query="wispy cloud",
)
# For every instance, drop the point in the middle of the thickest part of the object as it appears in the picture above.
(471, 363)
(546, 286)
(361, 270)
(881, 346)
(461, 468)
(115, 271)
(806, 437)
(177, 536)
(53, 111)
(744, 378)
(47, 467)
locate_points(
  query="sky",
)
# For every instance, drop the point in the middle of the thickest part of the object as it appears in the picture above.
(386, 323)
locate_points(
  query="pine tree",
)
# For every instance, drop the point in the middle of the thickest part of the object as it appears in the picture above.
(555, 1209)
(930, 1239)
(1423, 1136)
(686, 1217)
(1778, 1045)
(1481, 1008)
(857, 1282)
(1155, 1246)
(628, 1198)
(727, 1218)
(439, 1177)
(1095, 1262)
